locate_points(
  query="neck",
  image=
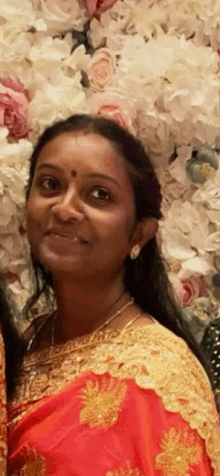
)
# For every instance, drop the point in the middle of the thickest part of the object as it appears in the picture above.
(83, 308)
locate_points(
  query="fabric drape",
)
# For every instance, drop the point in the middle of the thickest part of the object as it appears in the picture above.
(114, 403)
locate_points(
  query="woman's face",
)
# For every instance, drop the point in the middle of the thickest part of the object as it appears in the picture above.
(80, 211)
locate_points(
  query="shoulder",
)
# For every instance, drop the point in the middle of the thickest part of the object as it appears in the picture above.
(158, 360)
(166, 359)
(171, 356)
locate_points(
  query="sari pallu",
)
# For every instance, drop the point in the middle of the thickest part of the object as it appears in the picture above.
(114, 404)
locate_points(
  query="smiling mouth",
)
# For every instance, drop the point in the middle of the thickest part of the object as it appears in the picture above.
(66, 237)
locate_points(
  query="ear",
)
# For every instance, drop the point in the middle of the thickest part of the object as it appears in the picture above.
(144, 231)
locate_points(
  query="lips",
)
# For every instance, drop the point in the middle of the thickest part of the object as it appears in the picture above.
(68, 235)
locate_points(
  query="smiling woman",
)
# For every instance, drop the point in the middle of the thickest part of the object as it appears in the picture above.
(105, 389)
(81, 223)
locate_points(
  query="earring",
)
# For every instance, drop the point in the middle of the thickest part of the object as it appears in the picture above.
(135, 251)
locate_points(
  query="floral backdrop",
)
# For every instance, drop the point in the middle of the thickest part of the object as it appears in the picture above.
(154, 67)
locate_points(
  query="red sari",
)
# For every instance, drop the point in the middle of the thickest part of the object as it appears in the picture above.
(114, 403)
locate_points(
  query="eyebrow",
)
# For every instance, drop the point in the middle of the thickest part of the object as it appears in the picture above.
(89, 175)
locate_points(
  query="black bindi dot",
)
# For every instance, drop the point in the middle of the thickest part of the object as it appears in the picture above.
(73, 173)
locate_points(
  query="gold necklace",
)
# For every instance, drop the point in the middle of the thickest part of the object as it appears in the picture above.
(54, 316)
(110, 319)
(105, 324)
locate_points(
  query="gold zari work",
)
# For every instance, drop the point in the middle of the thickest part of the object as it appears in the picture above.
(101, 404)
(180, 452)
(150, 355)
(34, 465)
(125, 470)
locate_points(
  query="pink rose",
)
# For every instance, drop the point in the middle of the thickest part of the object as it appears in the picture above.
(113, 105)
(13, 108)
(101, 69)
(192, 288)
(113, 112)
(96, 6)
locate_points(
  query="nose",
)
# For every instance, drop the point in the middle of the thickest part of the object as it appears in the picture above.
(68, 208)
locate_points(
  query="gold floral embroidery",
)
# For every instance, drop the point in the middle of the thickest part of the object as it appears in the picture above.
(102, 402)
(124, 470)
(35, 464)
(151, 355)
(180, 452)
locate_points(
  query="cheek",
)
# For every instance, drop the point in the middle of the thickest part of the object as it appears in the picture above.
(116, 226)
(34, 219)
(35, 210)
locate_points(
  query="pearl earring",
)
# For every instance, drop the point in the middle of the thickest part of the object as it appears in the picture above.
(135, 251)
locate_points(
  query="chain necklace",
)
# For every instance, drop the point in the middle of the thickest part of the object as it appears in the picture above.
(106, 323)
(118, 313)
(101, 327)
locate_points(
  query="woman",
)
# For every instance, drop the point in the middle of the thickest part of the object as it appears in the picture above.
(105, 389)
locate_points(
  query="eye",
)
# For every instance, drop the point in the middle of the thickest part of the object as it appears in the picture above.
(100, 193)
(49, 184)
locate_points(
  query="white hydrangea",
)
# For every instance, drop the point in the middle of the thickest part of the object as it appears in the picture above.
(59, 99)
(60, 15)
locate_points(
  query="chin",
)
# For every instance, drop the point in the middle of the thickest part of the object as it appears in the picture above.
(60, 263)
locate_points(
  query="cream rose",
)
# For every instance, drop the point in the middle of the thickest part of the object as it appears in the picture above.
(101, 69)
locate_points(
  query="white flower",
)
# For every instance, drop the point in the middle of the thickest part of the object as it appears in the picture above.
(17, 12)
(176, 245)
(15, 155)
(49, 49)
(209, 193)
(60, 15)
(214, 216)
(111, 27)
(212, 242)
(177, 168)
(77, 60)
(198, 265)
(57, 100)
(154, 132)
(184, 230)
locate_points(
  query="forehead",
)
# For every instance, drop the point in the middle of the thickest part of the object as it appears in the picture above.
(84, 151)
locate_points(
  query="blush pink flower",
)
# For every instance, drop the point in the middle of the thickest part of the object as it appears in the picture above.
(101, 69)
(114, 112)
(113, 105)
(192, 288)
(96, 6)
(13, 108)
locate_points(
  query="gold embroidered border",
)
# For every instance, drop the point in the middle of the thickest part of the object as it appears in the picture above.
(151, 355)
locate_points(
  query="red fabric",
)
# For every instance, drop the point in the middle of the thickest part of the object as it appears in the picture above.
(71, 447)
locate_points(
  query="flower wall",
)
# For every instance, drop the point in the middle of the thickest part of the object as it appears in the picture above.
(153, 66)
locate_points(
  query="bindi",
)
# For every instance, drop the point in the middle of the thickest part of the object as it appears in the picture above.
(73, 173)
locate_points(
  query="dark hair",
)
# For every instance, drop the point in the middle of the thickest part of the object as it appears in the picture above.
(145, 278)
(14, 344)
